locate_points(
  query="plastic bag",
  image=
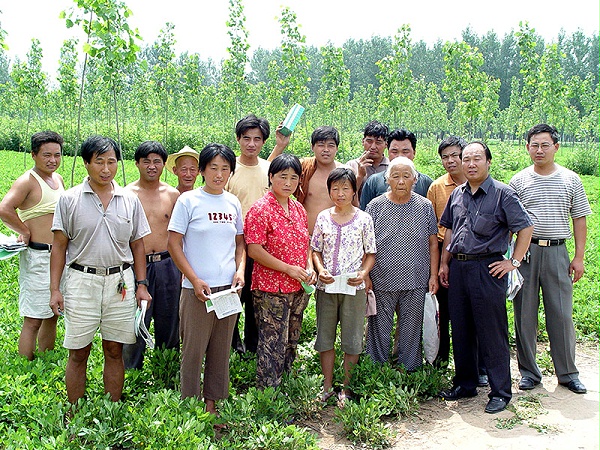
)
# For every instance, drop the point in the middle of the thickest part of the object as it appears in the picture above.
(431, 328)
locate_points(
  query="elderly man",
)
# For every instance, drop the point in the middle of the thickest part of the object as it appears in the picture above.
(551, 194)
(184, 164)
(479, 217)
(98, 229)
(399, 143)
(28, 209)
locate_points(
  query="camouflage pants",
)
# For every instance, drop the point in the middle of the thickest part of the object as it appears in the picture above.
(279, 318)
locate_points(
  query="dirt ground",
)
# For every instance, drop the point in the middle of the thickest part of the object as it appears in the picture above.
(566, 420)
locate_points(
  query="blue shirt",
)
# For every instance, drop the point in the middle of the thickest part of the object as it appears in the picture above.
(376, 185)
(481, 222)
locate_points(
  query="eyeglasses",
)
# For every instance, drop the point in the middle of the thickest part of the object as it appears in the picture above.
(544, 146)
(451, 155)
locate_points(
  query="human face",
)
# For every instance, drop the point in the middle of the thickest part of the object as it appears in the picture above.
(284, 183)
(401, 148)
(375, 146)
(150, 167)
(542, 149)
(102, 169)
(475, 165)
(401, 181)
(341, 193)
(216, 174)
(251, 143)
(325, 151)
(186, 169)
(47, 159)
(451, 160)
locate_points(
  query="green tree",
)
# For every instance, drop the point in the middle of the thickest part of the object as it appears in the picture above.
(335, 87)
(164, 74)
(68, 83)
(395, 78)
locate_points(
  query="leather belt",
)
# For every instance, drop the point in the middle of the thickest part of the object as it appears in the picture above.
(100, 270)
(479, 257)
(156, 257)
(547, 242)
(40, 246)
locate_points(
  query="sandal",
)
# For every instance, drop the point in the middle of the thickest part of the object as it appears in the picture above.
(326, 395)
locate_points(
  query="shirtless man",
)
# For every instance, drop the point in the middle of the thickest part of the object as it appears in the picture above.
(184, 164)
(163, 277)
(28, 209)
(312, 190)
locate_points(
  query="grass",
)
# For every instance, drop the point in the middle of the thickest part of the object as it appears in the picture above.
(34, 413)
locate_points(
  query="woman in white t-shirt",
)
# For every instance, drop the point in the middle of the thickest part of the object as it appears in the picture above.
(206, 242)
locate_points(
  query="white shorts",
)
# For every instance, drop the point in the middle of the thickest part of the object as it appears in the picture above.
(92, 302)
(34, 284)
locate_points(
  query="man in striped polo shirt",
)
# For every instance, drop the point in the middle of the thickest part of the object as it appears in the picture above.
(550, 194)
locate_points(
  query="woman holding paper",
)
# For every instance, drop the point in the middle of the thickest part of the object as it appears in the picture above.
(206, 242)
(276, 232)
(343, 244)
(406, 265)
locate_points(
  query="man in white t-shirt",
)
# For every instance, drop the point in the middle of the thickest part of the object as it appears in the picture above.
(249, 183)
(550, 194)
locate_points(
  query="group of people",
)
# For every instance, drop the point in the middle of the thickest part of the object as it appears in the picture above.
(269, 229)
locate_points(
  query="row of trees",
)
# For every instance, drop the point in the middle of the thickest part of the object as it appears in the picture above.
(481, 86)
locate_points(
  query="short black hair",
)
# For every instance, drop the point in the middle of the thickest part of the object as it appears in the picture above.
(44, 137)
(401, 135)
(340, 174)
(488, 153)
(543, 128)
(321, 134)
(376, 129)
(283, 162)
(211, 151)
(98, 145)
(251, 121)
(147, 147)
(452, 141)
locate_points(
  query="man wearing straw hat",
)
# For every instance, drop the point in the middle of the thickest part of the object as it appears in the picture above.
(184, 164)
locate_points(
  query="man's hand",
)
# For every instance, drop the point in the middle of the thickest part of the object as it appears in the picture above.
(57, 303)
(443, 274)
(576, 269)
(141, 293)
(500, 268)
(363, 162)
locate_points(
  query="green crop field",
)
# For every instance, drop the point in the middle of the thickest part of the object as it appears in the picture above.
(34, 413)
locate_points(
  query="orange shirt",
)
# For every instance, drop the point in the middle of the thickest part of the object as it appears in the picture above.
(439, 193)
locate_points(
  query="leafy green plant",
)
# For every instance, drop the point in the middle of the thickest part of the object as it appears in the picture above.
(362, 424)
(302, 390)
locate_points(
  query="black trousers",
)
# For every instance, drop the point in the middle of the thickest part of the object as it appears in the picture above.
(477, 305)
(250, 328)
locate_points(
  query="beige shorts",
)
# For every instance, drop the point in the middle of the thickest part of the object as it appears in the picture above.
(34, 284)
(92, 302)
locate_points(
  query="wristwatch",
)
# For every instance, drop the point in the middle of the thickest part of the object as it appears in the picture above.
(515, 263)
(145, 282)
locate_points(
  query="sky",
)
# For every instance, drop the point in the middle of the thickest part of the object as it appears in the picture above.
(200, 26)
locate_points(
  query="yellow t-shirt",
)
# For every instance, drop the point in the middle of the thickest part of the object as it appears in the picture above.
(249, 183)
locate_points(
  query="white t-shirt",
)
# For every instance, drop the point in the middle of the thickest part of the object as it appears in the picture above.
(209, 224)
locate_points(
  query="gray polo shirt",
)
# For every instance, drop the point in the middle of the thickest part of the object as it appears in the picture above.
(99, 238)
(481, 222)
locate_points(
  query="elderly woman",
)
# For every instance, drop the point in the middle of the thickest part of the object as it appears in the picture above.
(206, 242)
(406, 265)
(276, 232)
(343, 242)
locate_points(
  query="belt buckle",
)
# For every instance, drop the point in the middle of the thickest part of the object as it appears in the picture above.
(155, 257)
(544, 242)
(103, 271)
(461, 257)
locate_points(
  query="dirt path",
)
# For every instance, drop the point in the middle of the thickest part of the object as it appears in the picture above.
(565, 420)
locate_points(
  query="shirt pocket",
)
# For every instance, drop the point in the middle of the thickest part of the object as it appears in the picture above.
(123, 227)
(484, 224)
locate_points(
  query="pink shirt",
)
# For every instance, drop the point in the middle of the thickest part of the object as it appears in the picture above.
(283, 236)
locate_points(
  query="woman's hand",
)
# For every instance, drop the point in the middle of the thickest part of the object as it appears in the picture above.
(201, 289)
(325, 277)
(358, 279)
(238, 280)
(299, 274)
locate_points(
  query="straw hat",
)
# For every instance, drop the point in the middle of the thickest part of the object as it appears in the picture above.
(185, 151)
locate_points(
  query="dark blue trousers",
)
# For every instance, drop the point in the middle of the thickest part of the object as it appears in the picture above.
(477, 306)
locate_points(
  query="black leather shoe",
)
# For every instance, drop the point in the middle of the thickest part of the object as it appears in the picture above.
(575, 386)
(457, 392)
(483, 381)
(495, 405)
(527, 383)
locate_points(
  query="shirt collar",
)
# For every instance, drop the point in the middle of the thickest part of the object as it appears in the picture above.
(117, 190)
(485, 186)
